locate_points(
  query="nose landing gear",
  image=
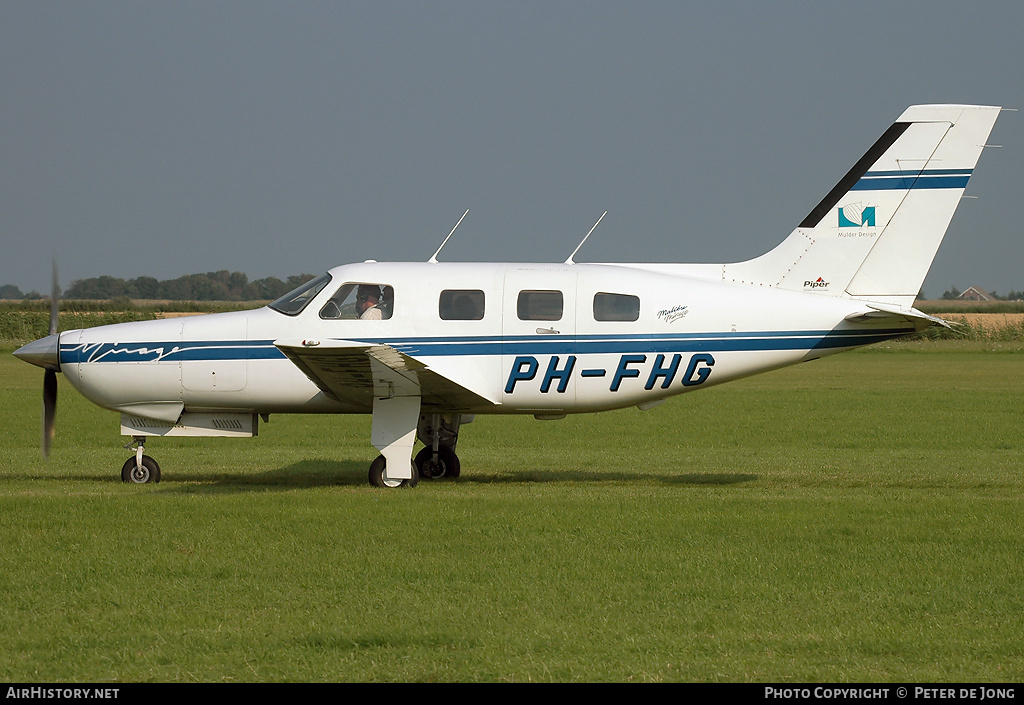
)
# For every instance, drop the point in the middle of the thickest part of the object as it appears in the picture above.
(139, 469)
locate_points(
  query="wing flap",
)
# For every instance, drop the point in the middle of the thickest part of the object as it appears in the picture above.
(354, 372)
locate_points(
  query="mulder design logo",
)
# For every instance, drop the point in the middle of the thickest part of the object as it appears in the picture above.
(855, 215)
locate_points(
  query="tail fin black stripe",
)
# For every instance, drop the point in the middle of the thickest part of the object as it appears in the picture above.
(853, 176)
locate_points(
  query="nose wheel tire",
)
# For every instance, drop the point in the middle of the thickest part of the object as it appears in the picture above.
(147, 472)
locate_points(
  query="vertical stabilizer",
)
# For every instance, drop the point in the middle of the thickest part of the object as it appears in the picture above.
(875, 234)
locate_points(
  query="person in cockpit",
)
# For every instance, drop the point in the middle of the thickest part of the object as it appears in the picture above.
(368, 303)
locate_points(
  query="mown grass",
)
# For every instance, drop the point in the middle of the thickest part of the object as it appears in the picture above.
(854, 519)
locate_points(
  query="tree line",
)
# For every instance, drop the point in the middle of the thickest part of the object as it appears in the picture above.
(211, 286)
(953, 293)
(235, 286)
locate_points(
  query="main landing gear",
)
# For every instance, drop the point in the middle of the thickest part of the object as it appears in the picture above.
(437, 464)
(379, 476)
(439, 434)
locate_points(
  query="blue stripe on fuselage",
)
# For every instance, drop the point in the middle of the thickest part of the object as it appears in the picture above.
(435, 346)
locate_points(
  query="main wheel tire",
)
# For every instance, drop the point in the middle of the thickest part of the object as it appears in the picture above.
(447, 464)
(379, 478)
(143, 474)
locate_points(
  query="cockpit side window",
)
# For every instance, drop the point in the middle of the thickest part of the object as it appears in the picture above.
(616, 307)
(360, 301)
(461, 305)
(292, 303)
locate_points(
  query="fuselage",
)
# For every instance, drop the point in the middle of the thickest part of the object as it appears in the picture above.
(523, 338)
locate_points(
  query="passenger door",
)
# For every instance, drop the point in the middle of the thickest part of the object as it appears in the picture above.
(539, 339)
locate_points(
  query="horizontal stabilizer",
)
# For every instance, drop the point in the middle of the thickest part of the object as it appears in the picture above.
(889, 314)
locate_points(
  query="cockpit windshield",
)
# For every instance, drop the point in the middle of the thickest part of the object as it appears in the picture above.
(294, 301)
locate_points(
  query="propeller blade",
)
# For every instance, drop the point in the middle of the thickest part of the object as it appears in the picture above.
(49, 410)
(50, 376)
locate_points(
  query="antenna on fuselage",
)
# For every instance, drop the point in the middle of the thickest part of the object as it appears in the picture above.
(433, 259)
(569, 261)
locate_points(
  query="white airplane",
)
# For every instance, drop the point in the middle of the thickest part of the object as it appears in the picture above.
(425, 346)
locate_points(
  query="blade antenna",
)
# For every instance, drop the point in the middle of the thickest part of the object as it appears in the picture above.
(433, 259)
(569, 261)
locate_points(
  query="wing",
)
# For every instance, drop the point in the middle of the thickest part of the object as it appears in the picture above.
(357, 373)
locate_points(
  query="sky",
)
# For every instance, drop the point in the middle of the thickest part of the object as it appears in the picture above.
(279, 138)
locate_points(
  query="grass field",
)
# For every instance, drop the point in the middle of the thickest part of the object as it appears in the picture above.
(853, 519)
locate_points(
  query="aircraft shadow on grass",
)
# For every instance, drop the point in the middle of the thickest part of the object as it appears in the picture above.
(308, 474)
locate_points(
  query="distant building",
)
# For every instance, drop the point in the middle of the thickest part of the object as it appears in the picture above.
(973, 293)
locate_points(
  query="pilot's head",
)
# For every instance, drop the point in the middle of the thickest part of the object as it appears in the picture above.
(366, 296)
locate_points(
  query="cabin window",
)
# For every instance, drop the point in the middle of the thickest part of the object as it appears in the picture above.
(539, 306)
(295, 300)
(366, 301)
(461, 305)
(616, 307)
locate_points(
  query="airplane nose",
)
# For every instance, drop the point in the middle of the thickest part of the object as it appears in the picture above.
(43, 352)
